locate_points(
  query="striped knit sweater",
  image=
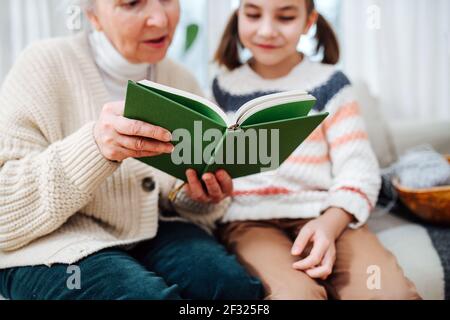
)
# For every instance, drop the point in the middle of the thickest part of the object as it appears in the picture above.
(334, 167)
(60, 199)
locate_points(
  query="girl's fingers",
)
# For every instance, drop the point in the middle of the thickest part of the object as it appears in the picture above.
(302, 240)
(187, 190)
(225, 181)
(315, 257)
(325, 270)
(143, 144)
(214, 190)
(141, 129)
(195, 187)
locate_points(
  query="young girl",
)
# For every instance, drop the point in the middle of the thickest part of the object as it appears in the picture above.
(301, 229)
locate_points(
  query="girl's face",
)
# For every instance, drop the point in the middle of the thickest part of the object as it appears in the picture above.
(271, 30)
(141, 30)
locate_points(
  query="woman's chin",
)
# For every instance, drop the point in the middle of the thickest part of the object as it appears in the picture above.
(153, 57)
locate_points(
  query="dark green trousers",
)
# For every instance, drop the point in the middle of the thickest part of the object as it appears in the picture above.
(182, 262)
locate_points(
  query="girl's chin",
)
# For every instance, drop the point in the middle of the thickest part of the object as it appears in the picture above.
(268, 61)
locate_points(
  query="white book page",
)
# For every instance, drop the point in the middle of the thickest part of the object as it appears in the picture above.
(190, 96)
(265, 102)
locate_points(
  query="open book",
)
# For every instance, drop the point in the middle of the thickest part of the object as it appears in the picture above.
(260, 137)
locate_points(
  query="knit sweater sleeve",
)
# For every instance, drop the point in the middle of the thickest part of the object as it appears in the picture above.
(356, 178)
(45, 178)
(200, 213)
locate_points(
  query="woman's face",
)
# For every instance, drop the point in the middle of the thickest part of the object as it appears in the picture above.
(141, 30)
(271, 30)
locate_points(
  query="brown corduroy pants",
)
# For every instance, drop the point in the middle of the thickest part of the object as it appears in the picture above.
(363, 270)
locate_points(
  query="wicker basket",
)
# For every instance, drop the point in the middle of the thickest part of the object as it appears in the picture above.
(432, 205)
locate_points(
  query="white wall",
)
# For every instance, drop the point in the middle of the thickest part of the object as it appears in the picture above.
(405, 62)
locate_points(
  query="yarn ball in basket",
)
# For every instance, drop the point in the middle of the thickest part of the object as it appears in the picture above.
(422, 168)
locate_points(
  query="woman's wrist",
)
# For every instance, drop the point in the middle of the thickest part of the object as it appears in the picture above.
(175, 191)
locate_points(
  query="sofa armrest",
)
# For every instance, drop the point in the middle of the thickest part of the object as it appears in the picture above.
(408, 134)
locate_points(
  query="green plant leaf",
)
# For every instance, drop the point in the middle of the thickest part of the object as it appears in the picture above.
(191, 35)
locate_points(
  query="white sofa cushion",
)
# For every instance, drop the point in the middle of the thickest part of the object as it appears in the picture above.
(412, 246)
(377, 129)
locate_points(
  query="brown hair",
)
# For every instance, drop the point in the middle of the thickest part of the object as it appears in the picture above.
(228, 52)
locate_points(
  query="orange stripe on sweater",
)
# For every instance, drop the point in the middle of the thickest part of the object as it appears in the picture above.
(316, 136)
(309, 159)
(270, 191)
(347, 111)
(354, 136)
(357, 191)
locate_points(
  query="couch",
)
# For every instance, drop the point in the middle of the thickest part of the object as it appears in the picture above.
(421, 249)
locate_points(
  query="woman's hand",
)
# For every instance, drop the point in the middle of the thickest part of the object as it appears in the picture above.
(119, 138)
(219, 186)
(322, 234)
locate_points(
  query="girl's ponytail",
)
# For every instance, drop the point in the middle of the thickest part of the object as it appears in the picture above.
(228, 52)
(327, 41)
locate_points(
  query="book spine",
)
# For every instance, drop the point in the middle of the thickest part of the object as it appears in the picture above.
(234, 127)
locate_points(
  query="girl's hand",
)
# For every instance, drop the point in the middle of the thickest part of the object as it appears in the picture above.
(322, 233)
(119, 138)
(219, 186)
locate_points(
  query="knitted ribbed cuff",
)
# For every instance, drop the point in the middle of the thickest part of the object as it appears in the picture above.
(82, 160)
(352, 202)
(205, 214)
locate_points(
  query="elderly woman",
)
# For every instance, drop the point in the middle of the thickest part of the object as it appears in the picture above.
(71, 191)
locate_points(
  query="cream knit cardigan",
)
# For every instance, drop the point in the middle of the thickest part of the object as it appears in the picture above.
(60, 199)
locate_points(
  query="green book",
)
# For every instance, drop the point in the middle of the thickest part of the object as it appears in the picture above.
(262, 135)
